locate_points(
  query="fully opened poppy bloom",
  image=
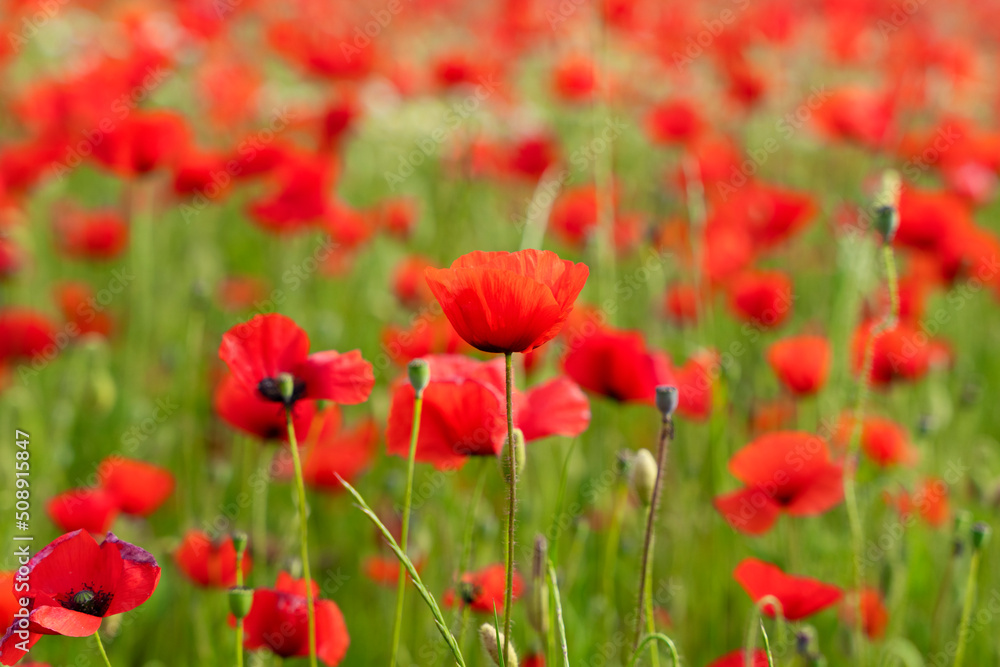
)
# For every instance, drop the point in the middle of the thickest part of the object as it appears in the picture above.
(882, 440)
(483, 589)
(246, 410)
(138, 487)
(25, 334)
(617, 364)
(763, 298)
(508, 302)
(800, 597)
(930, 500)
(261, 351)
(901, 353)
(75, 583)
(278, 622)
(464, 411)
(802, 363)
(786, 471)
(209, 563)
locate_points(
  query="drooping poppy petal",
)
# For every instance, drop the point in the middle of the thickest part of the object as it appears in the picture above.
(800, 597)
(208, 563)
(92, 510)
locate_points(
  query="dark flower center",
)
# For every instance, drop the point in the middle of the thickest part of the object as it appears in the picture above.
(87, 601)
(271, 389)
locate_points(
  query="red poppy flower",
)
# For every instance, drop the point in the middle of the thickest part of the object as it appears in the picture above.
(531, 156)
(738, 658)
(9, 604)
(533, 660)
(930, 501)
(258, 352)
(202, 174)
(801, 363)
(278, 621)
(75, 583)
(772, 415)
(143, 142)
(138, 487)
(90, 235)
(209, 563)
(25, 334)
(301, 197)
(78, 306)
(800, 597)
(574, 79)
(901, 353)
(681, 304)
(240, 292)
(92, 510)
(508, 302)
(398, 216)
(483, 589)
(464, 411)
(330, 451)
(763, 298)
(384, 570)
(617, 364)
(11, 258)
(874, 615)
(336, 122)
(786, 471)
(883, 441)
(856, 115)
(674, 122)
(249, 412)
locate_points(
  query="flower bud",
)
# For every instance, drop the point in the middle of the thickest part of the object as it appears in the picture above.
(643, 477)
(240, 601)
(666, 400)
(419, 373)
(239, 542)
(980, 535)
(493, 642)
(519, 456)
(538, 592)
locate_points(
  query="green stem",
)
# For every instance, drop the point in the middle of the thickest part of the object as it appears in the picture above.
(654, 654)
(554, 586)
(418, 403)
(666, 433)
(658, 637)
(511, 501)
(850, 492)
(100, 648)
(239, 621)
(970, 594)
(304, 534)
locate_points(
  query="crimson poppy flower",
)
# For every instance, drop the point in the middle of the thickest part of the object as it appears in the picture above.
(25, 334)
(11, 258)
(800, 597)
(202, 173)
(801, 363)
(681, 304)
(209, 563)
(574, 79)
(483, 590)
(138, 487)
(901, 353)
(531, 156)
(786, 471)
(856, 115)
(425, 337)
(278, 621)
(882, 440)
(77, 303)
(92, 510)
(330, 451)
(874, 615)
(398, 216)
(74, 583)
(384, 570)
(508, 302)
(763, 298)
(728, 252)
(143, 142)
(9, 604)
(617, 364)
(674, 122)
(300, 198)
(772, 415)
(464, 411)
(260, 351)
(738, 658)
(533, 660)
(91, 235)
(240, 292)
(249, 412)
(409, 284)
(930, 500)
(336, 122)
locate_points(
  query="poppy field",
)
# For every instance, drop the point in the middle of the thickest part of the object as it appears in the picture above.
(509, 333)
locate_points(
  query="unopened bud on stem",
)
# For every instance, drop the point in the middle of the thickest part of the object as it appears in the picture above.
(643, 477)
(492, 639)
(420, 375)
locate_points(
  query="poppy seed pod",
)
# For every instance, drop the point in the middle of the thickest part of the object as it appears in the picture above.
(980, 535)
(240, 601)
(666, 399)
(493, 641)
(643, 477)
(419, 374)
(239, 542)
